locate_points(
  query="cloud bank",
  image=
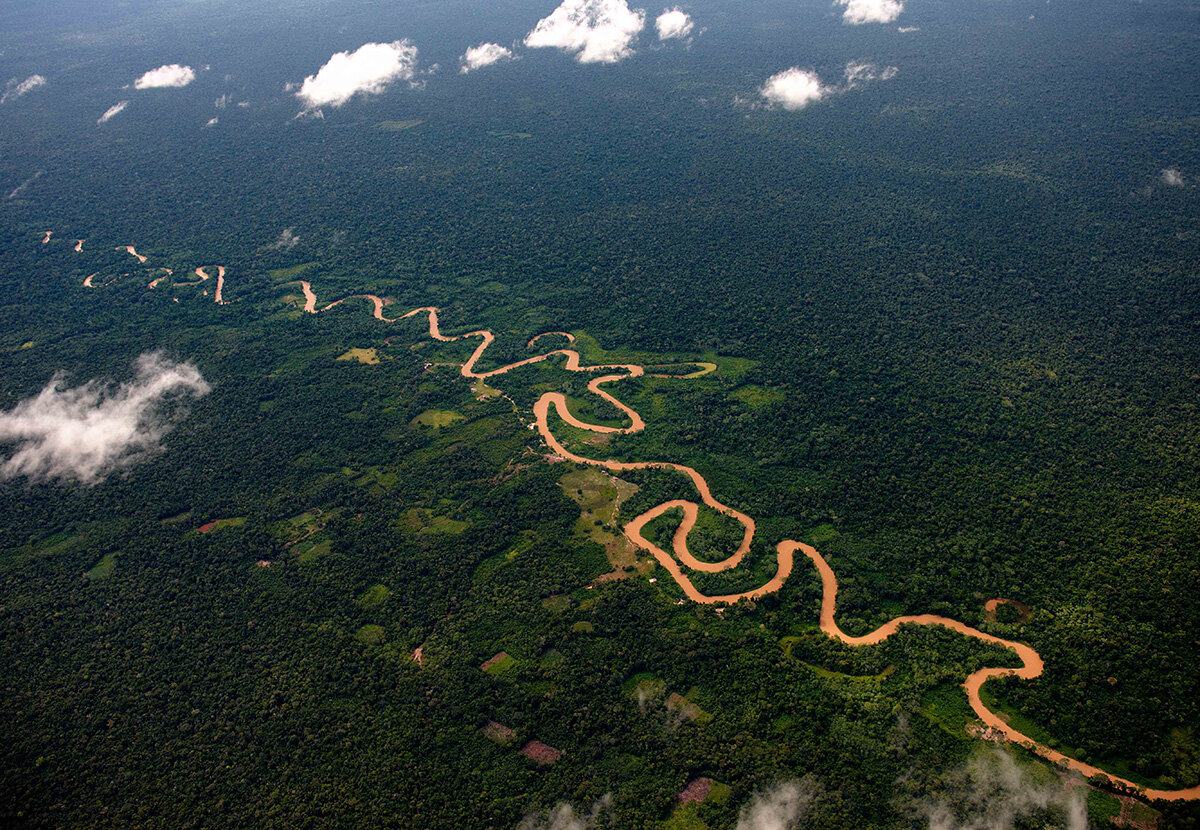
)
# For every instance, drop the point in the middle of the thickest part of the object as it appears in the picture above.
(870, 11)
(1172, 177)
(86, 432)
(779, 808)
(115, 109)
(796, 88)
(16, 90)
(674, 23)
(168, 75)
(485, 54)
(597, 31)
(992, 793)
(367, 70)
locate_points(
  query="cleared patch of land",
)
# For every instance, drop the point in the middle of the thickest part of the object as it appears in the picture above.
(367, 356)
(437, 418)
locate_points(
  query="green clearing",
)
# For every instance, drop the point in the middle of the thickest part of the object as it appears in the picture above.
(500, 664)
(509, 135)
(103, 569)
(373, 597)
(685, 817)
(294, 272)
(757, 397)
(367, 357)
(221, 524)
(947, 706)
(370, 634)
(437, 418)
(399, 126)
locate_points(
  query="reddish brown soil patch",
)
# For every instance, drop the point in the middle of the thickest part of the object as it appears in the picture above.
(208, 528)
(493, 660)
(696, 792)
(264, 563)
(541, 753)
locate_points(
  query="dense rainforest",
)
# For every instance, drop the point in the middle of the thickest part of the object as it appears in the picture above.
(954, 322)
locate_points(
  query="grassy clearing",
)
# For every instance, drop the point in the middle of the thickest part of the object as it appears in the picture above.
(437, 418)
(685, 817)
(373, 597)
(599, 497)
(103, 569)
(366, 356)
(399, 126)
(947, 706)
(501, 663)
(370, 634)
(419, 520)
(293, 273)
(510, 135)
(482, 391)
(222, 524)
(686, 707)
(756, 397)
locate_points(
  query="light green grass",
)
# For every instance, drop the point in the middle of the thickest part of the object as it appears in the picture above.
(370, 634)
(399, 126)
(373, 597)
(103, 569)
(437, 418)
(365, 356)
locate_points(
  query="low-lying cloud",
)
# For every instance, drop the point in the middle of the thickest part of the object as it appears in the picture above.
(596, 31)
(779, 808)
(285, 241)
(796, 88)
(793, 88)
(485, 54)
(167, 75)
(86, 432)
(564, 817)
(15, 89)
(992, 793)
(368, 70)
(112, 111)
(858, 12)
(1172, 177)
(674, 23)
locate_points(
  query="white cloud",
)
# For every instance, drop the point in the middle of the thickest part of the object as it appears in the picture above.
(904, 30)
(285, 241)
(16, 90)
(86, 432)
(367, 70)
(779, 808)
(859, 73)
(870, 11)
(674, 23)
(171, 74)
(597, 31)
(212, 122)
(111, 111)
(564, 817)
(485, 54)
(1172, 177)
(794, 88)
(992, 793)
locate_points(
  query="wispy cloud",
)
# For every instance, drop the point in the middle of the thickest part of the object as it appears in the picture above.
(597, 31)
(367, 70)
(15, 89)
(23, 186)
(870, 11)
(780, 807)
(796, 88)
(992, 793)
(1172, 177)
(564, 817)
(485, 54)
(86, 432)
(674, 23)
(114, 110)
(285, 241)
(861, 72)
(168, 75)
